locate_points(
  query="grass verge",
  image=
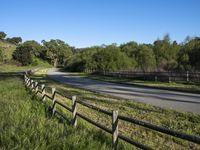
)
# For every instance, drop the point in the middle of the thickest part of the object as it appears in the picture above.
(184, 122)
(14, 68)
(26, 124)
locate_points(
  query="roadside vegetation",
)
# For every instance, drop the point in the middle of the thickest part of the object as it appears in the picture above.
(162, 55)
(26, 123)
(185, 86)
(184, 122)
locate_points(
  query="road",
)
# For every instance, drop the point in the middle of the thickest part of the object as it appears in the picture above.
(180, 101)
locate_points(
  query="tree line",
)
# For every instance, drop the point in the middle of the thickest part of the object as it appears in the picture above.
(163, 55)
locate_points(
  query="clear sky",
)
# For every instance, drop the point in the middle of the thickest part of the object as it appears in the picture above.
(84, 23)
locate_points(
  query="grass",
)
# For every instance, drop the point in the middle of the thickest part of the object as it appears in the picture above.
(8, 49)
(185, 86)
(184, 122)
(14, 68)
(26, 124)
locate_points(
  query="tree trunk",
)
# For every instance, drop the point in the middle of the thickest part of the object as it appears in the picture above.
(55, 62)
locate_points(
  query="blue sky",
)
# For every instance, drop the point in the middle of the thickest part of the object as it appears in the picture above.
(84, 23)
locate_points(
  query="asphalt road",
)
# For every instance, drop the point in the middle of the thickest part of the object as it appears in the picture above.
(179, 101)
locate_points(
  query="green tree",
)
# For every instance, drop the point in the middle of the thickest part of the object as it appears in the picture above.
(145, 58)
(189, 55)
(166, 53)
(83, 59)
(2, 35)
(14, 40)
(56, 51)
(111, 58)
(23, 55)
(35, 47)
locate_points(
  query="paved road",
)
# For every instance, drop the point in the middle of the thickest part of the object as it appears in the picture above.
(163, 98)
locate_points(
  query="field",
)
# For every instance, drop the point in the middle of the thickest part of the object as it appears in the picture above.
(27, 124)
(184, 122)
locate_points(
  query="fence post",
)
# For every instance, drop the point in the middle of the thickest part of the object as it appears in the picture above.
(169, 76)
(114, 129)
(156, 77)
(43, 92)
(74, 119)
(36, 87)
(28, 82)
(32, 86)
(187, 76)
(24, 78)
(53, 94)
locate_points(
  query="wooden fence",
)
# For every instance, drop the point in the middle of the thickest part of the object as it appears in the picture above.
(152, 76)
(40, 89)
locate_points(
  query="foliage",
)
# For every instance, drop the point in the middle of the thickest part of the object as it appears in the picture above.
(56, 51)
(99, 58)
(111, 58)
(189, 55)
(14, 40)
(23, 54)
(2, 35)
(165, 53)
(145, 58)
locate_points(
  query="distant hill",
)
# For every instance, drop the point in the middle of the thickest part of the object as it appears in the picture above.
(8, 49)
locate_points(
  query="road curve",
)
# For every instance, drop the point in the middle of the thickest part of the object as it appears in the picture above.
(180, 101)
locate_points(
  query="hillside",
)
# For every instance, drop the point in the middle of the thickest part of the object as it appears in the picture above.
(7, 49)
(25, 124)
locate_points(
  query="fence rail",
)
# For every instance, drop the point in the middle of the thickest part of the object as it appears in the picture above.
(34, 86)
(152, 76)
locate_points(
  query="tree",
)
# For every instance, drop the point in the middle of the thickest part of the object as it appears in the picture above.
(83, 59)
(14, 40)
(166, 53)
(189, 55)
(194, 54)
(23, 54)
(145, 58)
(56, 51)
(35, 47)
(129, 48)
(2, 35)
(111, 58)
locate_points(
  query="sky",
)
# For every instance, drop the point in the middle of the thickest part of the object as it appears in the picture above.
(83, 23)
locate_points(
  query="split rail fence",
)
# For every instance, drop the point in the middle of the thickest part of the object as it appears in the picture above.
(37, 88)
(184, 76)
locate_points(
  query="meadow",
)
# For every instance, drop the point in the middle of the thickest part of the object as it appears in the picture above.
(27, 124)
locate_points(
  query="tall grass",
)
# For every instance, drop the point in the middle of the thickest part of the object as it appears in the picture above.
(26, 124)
(184, 122)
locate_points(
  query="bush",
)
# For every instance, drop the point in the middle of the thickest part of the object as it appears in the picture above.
(23, 55)
(111, 58)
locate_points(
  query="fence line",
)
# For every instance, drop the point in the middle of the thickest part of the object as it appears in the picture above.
(115, 117)
(152, 76)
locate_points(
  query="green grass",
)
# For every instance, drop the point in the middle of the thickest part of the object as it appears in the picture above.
(14, 68)
(183, 122)
(8, 49)
(26, 123)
